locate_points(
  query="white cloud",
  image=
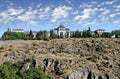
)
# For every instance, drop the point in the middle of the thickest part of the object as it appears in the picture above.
(75, 12)
(68, 1)
(44, 13)
(104, 18)
(28, 15)
(39, 5)
(118, 6)
(60, 12)
(105, 12)
(15, 12)
(94, 2)
(77, 17)
(35, 14)
(112, 15)
(85, 5)
(109, 2)
(86, 14)
(88, 23)
(116, 22)
(47, 9)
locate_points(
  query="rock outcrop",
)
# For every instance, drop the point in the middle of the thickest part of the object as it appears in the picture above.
(85, 73)
(93, 58)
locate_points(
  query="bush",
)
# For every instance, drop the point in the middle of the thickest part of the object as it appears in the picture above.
(13, 71)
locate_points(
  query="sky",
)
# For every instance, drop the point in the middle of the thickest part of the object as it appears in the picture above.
(49, 14)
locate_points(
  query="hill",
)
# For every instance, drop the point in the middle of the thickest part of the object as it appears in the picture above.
(84, 58)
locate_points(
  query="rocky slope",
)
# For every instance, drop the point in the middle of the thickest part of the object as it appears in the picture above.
(89, 58)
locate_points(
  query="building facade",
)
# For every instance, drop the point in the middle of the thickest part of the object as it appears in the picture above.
(100, 31)
(18, 30)
(61, 31)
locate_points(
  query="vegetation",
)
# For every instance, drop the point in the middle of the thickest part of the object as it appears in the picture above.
(43, 35)
(13, 71)
(84, 34)
(8, 35)
(116, 33)
(52, 35)
(106, 35)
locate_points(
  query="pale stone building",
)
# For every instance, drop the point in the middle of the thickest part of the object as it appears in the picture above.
(100, 31)
(18, 30)
(62, 31)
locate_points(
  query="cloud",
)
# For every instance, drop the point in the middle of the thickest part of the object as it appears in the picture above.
(106, 11)
(39, 5)
(86, 14)
(85, 5)
(116, 22)
(112, 15)
(44, 13)
(104, 15)
(109, 2)
(117, 6)
(10, 14)
(60, 12)
(88, 23)
(69, 2)
(94, 2)
(15, 12)
(28, 15)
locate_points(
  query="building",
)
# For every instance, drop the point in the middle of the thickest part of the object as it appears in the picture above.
(100, 31)
(33, 32)
(61, 31)
(18, 30)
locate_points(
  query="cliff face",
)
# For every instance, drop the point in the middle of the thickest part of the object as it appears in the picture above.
(85, 73)
(94, 58)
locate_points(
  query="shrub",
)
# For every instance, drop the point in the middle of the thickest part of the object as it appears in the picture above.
(13, 71)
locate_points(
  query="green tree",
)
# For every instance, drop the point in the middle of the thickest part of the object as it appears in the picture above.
(116, 33)
(8, 35)
(30, 35)
(42, 35)
(52, 35)
(86, 34)
(106, 35)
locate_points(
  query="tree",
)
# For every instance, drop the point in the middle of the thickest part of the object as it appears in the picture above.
(8, 35)
(77, 34)
(86, 34)
(89, 29)
(42, 35)
(31, 35)
(116, 33)
(9, 30)
(52, 35)
(106, 35)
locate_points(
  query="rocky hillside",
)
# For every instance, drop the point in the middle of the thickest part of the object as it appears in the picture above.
(84, 58)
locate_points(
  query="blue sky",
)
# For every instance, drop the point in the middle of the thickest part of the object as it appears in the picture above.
(48, 14)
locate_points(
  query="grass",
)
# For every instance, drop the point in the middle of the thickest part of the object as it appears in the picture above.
(81, 57)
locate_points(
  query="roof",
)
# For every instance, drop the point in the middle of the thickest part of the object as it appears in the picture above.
(18, 29)
(100, 30)
(32, 31)
(61, 26)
